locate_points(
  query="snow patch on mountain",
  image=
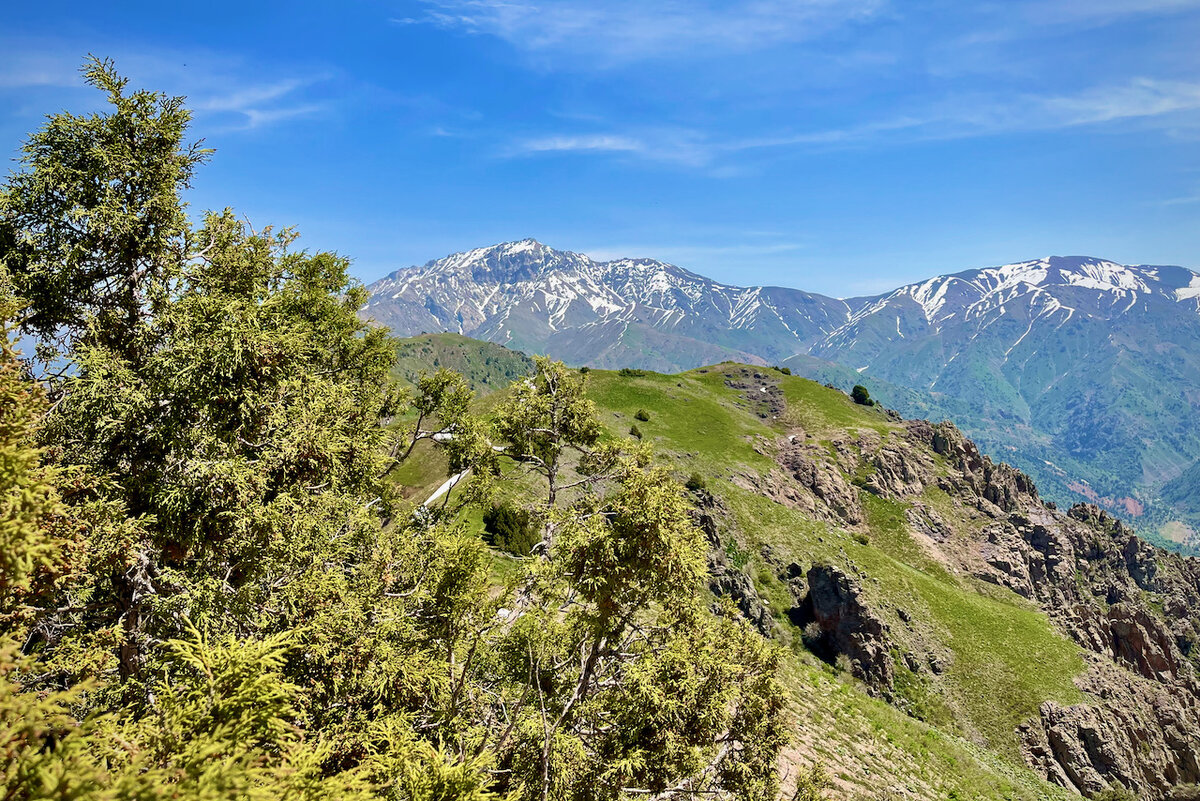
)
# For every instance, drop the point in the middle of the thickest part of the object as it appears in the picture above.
(1192, 290)
(536, 297)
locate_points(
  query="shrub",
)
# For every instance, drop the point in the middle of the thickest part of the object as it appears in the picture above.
(585, 369)
(811, 784)
(510, 528)
(861, 539)
(629, 372)
(1114, 792)
(736, 555)
(784, 370)
(635, 432)
(695, 482)
(861, 396)
(642, 415)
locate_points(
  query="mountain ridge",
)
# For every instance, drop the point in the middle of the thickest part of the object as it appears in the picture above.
(1082, 371)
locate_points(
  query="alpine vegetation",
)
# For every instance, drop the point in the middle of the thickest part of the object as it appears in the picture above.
(212, 587)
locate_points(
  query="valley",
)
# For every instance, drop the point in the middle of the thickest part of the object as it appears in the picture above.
(1083, 373)
(949, 633)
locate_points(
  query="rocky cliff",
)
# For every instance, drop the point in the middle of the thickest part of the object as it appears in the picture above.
(1132, 608)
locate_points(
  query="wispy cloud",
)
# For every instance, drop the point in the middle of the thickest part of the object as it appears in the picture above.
(264, 104)
(1186, 200)
(1145, 101)
(36, 69)
(1143, 97)
(231, 93)
(595, 142)
(617, 30)
(1101, 11)
(678, 146)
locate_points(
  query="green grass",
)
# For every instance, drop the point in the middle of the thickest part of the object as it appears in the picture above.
(1006, 656)
(1002, 657)
(821, 410)
(486, 365)
(422, 473)
(889, 534)
(692, 414)
(871, 745)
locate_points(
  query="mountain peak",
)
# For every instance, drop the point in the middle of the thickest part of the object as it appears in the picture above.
(529, 244)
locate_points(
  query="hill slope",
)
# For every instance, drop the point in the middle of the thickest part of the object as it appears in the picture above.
(1006, 647)
(1083, 372)
(486, 365)
(1087, 372)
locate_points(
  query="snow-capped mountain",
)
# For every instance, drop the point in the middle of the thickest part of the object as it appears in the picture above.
(1054, 289)
(1084, 372)
(531, 296)
(613, 313)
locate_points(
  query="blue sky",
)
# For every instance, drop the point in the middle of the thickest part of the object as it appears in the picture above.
(840, 146)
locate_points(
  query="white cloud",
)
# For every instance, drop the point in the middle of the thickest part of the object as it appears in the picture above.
(1187, 200)
(231, 93)
(619, 30)
(36, 69)
(1101, 11)
(262, 104)
(678, 146)
(1148, 102)
(595, 142)
(1142, 97)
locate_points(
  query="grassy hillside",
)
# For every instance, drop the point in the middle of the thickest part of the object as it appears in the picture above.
(1168, 518)
(1002, 658)
(992, 684)
(486, 365)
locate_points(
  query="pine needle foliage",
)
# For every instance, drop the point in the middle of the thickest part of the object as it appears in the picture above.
(208, 588)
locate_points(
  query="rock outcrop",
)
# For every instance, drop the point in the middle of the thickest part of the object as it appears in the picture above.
(1133, 607)
(846, 626)
(823, 480)
(899, 472)
(1143, 735)
(725, 579)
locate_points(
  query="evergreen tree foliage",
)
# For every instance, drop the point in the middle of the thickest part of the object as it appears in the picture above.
(94, 223)
(510, 528)
(209, 588)
(630, 686)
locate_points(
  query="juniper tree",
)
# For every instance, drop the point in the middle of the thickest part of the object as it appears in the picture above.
(92, 226)
(222, 597)
(624, 684)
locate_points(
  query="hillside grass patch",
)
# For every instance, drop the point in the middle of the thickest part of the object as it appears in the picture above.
(1007, 656)
(687, 415)
(819, 410)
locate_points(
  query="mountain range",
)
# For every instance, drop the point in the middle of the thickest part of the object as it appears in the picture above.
(1083, 372)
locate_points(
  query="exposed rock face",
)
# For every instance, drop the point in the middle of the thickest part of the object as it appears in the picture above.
(823, 480)
(847, 626)
(726, 580)
(999, 484)
(899, 472)
(1141, 642)
(1091, 575)
(1144, 735)
(1134, 607)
